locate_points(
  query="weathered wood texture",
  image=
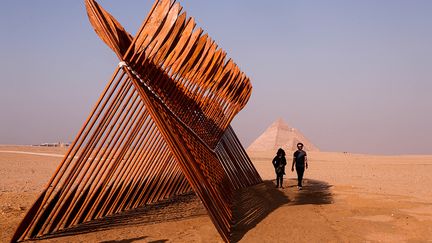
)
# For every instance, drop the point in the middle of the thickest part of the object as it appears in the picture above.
(159, 129)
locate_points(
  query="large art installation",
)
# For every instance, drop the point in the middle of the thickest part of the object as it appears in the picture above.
(161, 128)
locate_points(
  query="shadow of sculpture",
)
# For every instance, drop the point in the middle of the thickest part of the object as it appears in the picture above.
(180, 207)
(134, 239)
(255, 203)
(125, 240)
(251, 206)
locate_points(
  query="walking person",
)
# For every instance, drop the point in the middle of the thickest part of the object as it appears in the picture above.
(300, 162)
(279, 163)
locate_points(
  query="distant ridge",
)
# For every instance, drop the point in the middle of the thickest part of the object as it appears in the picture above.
(280, 135)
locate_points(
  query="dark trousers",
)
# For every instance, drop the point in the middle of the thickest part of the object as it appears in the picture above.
(300, 172)
(279, 179)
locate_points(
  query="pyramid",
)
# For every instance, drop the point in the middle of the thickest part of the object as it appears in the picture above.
(281, 135)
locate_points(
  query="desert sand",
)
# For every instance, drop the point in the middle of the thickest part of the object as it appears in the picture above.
(346, 198)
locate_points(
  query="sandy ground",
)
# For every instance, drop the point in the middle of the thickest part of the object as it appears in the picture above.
(346, 198)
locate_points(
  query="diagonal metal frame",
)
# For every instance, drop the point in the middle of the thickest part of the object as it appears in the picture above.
(159, 129)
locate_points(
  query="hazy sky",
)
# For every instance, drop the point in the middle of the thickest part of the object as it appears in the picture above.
(352, 76)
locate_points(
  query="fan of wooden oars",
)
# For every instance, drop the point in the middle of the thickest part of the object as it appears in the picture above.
(161, 128)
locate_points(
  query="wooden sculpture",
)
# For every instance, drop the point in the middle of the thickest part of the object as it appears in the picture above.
(160, 129)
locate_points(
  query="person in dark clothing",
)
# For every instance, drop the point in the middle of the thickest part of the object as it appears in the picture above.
(300, 162)
(279, 163)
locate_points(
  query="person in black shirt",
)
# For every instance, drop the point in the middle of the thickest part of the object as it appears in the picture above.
(279, 163)
(300, 162)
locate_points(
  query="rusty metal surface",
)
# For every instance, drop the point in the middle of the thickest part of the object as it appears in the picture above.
(159, 129)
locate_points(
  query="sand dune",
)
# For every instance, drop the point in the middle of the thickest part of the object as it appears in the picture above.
(346, 198)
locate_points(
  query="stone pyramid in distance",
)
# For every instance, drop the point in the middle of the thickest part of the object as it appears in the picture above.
(280, 135)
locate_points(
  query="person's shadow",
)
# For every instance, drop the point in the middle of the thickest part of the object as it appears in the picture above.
(313, 192)
(253, 204)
